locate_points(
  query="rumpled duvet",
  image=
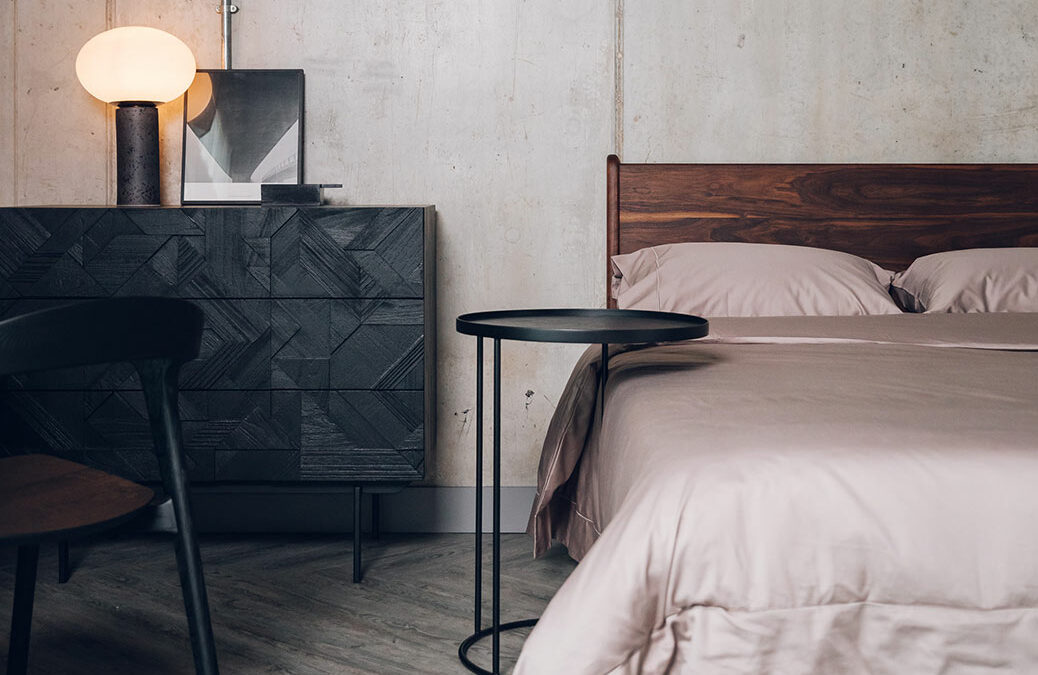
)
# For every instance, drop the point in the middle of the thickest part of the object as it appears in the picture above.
(798, 495)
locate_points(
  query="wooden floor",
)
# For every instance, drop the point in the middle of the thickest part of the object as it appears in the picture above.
(280, 604)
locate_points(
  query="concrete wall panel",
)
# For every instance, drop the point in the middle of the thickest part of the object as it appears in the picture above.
(7, 136)
(60, 129)
(815, 80)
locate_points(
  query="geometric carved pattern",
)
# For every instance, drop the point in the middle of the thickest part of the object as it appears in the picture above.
(312, 365)
(382, 429)
(347, 344)
(317, 255)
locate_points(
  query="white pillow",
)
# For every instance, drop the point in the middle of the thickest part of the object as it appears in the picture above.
(971, 280)
(715, 279)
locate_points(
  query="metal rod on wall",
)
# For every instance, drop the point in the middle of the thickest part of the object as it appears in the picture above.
(227, 9)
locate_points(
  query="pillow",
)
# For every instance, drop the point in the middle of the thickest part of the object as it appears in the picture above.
(971, 280)
(716, 279)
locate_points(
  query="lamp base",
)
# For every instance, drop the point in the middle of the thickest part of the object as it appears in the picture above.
(137, 154)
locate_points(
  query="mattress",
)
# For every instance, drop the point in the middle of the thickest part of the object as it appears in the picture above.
(798, 495)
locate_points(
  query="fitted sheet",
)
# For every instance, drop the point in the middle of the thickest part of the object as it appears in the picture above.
(801, 495)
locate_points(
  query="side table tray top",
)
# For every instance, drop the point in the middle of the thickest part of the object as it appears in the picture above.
(583, 326)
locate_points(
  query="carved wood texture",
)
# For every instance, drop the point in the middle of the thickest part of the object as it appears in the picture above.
(313, 363)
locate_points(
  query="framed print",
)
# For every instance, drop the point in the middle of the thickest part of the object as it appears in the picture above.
(242, 128)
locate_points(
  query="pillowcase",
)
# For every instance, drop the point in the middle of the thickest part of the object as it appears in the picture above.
(971, 280)
(715, 279)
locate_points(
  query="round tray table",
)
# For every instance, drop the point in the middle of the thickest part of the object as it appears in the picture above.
(586, 326)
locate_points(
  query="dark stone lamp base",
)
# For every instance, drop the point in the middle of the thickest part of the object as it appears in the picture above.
(137, 153)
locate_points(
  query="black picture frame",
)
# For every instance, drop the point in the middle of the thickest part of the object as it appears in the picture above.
(242, 128)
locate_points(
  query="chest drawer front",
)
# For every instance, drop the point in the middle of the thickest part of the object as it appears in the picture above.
(283, 344)
(317, 252)
(229, 435)
(235, 352)
(100, 252)
(106, 430)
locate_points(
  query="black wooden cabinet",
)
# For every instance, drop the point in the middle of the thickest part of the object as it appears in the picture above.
(318, 356)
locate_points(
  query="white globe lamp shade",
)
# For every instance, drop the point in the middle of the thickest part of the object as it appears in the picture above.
(135, 63)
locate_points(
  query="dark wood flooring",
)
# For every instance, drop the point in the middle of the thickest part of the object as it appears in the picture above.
(280, 604)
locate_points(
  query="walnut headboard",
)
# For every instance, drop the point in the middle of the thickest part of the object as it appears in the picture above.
(888, 213)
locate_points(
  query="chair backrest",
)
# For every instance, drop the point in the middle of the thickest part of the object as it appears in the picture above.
(101, 331)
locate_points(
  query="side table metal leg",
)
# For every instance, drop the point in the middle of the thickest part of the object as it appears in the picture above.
(356, 534)
(478, 613)
(496, 627)
(497, 505)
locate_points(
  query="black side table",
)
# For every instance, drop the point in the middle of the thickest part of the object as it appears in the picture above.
(604, 326)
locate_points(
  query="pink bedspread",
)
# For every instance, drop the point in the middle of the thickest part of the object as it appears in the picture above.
(810, 495)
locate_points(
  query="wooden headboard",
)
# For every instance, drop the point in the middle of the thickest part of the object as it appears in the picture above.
(887, 213)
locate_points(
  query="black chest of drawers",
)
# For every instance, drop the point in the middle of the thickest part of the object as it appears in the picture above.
(318, 358)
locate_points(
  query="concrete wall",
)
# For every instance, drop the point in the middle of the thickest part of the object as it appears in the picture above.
(7, 153)
(825, 81)
(501, 114)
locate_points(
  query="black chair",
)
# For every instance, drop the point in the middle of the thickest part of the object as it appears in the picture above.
(46, 499)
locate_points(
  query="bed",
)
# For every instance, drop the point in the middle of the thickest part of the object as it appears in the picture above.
(804, 494)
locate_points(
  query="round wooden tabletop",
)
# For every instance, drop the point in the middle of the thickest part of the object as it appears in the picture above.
(45, 498)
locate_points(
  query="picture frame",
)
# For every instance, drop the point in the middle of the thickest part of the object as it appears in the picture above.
(242, 128)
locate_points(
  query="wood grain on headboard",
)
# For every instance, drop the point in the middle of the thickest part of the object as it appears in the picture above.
(888, 213)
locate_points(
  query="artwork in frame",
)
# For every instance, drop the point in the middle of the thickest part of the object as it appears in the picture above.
(242, 128)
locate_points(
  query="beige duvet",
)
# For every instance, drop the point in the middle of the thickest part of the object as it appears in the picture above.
(809, 495)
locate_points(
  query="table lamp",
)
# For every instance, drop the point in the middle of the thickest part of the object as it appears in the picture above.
(136, 68)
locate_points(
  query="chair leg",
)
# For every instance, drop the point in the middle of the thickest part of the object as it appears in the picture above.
(159, 381)
(21, 615)
(64, 570)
